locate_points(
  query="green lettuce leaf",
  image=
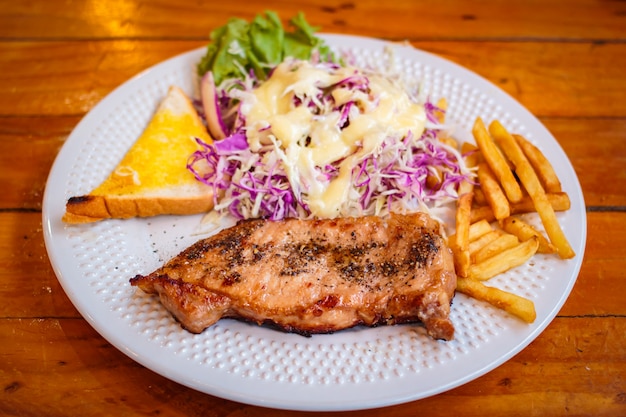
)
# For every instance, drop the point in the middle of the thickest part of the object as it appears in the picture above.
(266, 36)
(227, 49)
(302, 40)
(239, 46)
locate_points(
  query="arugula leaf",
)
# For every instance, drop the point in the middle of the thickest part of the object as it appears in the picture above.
(258, 46)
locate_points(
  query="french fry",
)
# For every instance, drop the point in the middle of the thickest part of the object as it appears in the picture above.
(467, 147)
(512, 303)
(479, 197)
(496, 161)
(448, 140)
(460, 246)
(440, 112)
(478, 229)
(504, 260)
(482, 213)
(479, 243)
(541, 165)
(433, 179)
(525, 231)
(493, 193)
(514, 177)
(559, 201)
(471, 153)
(531, 182)
(466, 187)
(502, 243)
(472, 156)
(475, 231)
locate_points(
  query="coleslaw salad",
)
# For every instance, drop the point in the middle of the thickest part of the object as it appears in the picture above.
(318, 137)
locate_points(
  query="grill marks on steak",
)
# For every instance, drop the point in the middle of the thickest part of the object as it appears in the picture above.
(313, 276)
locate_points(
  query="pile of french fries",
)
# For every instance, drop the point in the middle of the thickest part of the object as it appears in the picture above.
(512, 177)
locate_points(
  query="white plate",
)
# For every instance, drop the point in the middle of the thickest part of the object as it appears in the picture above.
(355, 369)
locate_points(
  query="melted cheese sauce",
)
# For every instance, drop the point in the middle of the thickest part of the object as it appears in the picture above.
(143, 168)
(312, 139)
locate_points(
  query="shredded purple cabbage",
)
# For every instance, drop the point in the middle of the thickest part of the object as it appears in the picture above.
(246, 186)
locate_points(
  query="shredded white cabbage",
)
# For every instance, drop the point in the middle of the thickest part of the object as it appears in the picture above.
(323, 140)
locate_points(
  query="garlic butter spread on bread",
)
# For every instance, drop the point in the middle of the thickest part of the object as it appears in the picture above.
(152, 178)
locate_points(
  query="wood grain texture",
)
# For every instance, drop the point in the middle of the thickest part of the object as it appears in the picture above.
(596, 148)
(564, 61)
(69, 78)
(407, 19)
(576, 367)
(28, 286)
(28, 147)
(600, 271)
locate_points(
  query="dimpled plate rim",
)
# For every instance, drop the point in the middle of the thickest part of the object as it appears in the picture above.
(349, 370)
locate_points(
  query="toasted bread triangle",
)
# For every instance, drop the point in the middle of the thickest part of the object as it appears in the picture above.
(152, 178)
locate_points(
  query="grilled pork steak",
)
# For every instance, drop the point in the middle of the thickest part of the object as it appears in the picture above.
(313, 276)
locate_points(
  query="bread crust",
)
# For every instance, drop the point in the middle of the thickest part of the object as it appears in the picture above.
(93, 208)
(144, 200)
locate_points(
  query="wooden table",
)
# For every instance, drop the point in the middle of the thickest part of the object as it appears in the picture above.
(564, 60)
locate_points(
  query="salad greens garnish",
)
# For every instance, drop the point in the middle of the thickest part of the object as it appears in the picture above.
(241, 46)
